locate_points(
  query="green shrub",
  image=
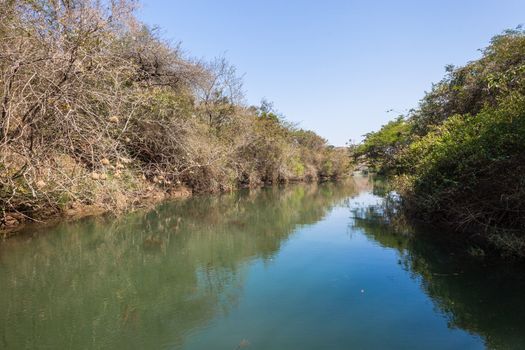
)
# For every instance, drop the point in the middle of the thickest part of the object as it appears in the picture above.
(468, 173)
(460, 157)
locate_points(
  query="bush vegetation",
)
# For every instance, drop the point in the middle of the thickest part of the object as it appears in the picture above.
(96, 108)
(459, 158)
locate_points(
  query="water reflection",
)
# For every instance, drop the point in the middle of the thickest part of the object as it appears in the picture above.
(252, 269)
(480, 296)
(148, 280)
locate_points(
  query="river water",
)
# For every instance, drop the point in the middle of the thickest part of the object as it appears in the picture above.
(298, 267)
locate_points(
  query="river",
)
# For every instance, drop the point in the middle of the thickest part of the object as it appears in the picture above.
(295, 267)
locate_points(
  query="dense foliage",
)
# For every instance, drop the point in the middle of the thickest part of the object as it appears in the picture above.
(460, 157)
(97, 109)
(381, 147)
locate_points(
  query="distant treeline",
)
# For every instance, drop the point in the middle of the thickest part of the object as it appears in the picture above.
(97, 109)
(459, 159)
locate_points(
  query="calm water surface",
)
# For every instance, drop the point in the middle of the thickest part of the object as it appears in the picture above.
(301, 267)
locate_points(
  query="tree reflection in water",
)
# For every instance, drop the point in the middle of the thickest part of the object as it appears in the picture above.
(478, 295)
(149, 279)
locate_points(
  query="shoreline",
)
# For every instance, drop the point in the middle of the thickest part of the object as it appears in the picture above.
(79, 211)
(146, 200)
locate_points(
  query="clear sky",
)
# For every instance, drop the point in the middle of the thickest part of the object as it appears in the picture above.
(336, 66)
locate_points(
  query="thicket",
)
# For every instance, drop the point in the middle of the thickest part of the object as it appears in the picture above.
(96, 108)
(459, 158)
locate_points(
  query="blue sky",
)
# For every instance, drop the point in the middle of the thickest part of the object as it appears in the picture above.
(336, 66)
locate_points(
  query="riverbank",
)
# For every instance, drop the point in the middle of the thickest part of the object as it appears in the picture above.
(103, 114)
(150, 195)
(458, 160)
(13, 222)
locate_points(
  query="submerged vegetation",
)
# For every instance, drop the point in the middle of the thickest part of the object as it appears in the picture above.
(97, 109)
(458, 160)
